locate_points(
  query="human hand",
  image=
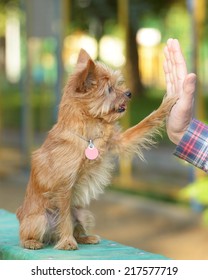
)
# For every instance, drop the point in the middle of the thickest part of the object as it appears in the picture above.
(178, 82)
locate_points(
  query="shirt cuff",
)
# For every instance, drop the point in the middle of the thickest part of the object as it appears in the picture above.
(193, 146)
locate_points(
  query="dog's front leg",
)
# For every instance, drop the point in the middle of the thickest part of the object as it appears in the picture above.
(142, 135)
(65, 227)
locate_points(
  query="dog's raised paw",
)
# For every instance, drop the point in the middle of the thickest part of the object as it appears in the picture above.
(32, 244)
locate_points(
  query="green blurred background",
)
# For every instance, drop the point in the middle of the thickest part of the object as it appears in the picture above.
(39, 43)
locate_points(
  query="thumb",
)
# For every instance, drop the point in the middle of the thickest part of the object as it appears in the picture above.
(189, 85)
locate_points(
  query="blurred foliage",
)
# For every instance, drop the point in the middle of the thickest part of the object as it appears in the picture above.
(42, 107)
(106, 10)
(4, 6)
(99, 17)
(197, 193)
(93, 16)
(3, 19)
(197, 190)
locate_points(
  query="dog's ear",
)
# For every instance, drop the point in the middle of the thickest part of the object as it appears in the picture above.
(83, 57)
(85, 70)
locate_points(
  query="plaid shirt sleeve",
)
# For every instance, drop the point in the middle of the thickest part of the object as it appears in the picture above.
(193, 146)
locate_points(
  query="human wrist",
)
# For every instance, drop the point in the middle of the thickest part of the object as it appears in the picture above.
(176, 137)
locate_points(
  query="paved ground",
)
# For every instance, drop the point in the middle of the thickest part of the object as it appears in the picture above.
(154, 226)
(158, 227)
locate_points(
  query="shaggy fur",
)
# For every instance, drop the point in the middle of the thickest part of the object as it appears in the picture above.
(63, 180)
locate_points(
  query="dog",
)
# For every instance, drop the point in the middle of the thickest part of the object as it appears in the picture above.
(76, 161)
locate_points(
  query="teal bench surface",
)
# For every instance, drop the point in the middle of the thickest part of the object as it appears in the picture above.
(10, 248)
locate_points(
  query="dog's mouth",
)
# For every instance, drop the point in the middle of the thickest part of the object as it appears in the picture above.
(121, 108)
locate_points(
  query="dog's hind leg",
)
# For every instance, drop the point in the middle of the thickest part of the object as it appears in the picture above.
(84, 220)
(82, 237)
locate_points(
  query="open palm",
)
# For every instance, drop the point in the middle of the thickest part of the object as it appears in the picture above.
(178, 82)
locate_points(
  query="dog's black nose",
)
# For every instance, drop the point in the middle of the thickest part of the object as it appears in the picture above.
(128, 94)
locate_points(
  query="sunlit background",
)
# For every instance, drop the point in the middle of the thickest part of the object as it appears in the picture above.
(39, 44)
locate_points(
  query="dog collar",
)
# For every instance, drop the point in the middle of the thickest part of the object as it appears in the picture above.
(91, 152)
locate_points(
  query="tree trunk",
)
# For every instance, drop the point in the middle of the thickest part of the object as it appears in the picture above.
(132, 63)
(131, 68)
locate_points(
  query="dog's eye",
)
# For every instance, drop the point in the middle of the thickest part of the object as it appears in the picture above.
(110, 89)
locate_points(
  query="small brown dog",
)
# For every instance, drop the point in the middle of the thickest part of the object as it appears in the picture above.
(75, 162)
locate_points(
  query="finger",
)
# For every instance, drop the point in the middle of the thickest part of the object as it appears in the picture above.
(179, 69)
(169, 43)
(176, 57)
(171, 62)
(171, 50)
(168, 68)
(177, 49)
(169, 86)
(179, 61)
(166, 71)
(166, 53)
(165, 67)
